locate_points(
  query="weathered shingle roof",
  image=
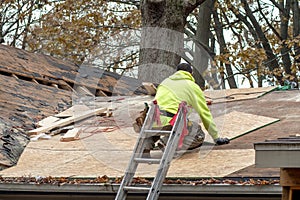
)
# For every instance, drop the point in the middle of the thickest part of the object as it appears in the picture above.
(34, 86)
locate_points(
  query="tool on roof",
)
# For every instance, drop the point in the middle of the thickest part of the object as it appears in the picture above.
(164, 162)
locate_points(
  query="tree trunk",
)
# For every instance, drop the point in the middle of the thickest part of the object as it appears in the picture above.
(284, 18)
(259, 76)
(26, 29)
(296, 29)
(221, 39)
(214, 67)
(201, 57)
(161, 48)
(1, 31)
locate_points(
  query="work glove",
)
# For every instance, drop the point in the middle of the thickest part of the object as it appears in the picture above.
(221, 141)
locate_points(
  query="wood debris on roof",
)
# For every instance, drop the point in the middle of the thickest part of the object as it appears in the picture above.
(66, 121)
(69, 123)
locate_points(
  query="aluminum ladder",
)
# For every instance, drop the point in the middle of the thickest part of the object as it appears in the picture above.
(163, 162)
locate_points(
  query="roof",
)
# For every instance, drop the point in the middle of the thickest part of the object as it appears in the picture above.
(107, 153)
(283, 105)
(34, 86)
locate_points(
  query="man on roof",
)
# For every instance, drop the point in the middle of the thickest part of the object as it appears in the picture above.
(170, 93)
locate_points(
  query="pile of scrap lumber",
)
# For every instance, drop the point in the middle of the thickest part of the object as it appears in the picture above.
(68, 123)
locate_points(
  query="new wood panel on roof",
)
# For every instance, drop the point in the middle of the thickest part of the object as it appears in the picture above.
(236, 124)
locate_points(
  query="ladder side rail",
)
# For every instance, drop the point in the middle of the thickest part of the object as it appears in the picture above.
(132, 165)
(149, 120)
(148, 123)
(169, 152)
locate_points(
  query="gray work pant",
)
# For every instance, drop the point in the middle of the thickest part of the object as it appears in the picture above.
(193, 140)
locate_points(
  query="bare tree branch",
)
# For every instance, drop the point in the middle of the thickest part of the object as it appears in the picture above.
(267, 21)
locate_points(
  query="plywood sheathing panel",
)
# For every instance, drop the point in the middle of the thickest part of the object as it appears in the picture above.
(236, 124)
(279, 104)
(227, 95)
(109, 153)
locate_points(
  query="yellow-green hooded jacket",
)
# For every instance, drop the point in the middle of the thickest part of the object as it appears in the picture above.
(180, 87)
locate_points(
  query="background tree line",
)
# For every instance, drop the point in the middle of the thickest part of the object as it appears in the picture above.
(258, 40)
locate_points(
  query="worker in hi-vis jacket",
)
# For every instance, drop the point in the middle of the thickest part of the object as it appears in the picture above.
(170, 93)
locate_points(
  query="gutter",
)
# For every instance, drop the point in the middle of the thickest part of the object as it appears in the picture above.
(105, 188)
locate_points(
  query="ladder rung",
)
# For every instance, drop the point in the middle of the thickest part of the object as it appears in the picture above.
(147, 160)
(133, 188)
(156, 132)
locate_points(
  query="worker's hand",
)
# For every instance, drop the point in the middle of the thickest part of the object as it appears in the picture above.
(221, 141)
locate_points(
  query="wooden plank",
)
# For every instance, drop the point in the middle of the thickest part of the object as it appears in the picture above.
(235, 124)
(71, 135)
(48, 120)
(226, 95)
(74, 109)
(67, 121)
(61, 130)
(285, 193)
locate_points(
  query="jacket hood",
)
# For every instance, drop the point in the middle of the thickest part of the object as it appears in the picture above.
(182, 75)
